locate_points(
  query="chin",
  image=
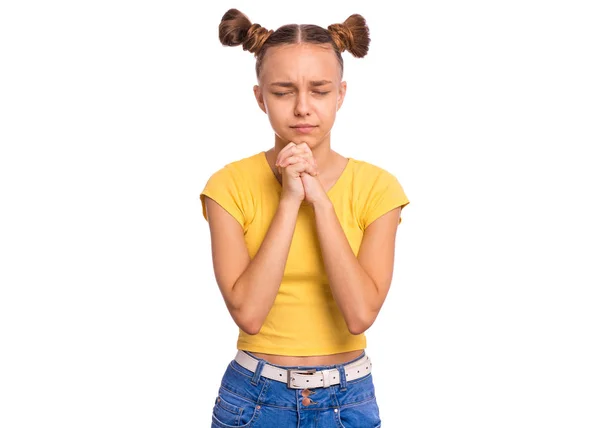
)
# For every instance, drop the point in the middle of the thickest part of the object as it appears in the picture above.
(310, 140)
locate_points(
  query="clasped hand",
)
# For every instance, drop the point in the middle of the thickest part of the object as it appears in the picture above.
(299, 171)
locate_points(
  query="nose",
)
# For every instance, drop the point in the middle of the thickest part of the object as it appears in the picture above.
(302, 107)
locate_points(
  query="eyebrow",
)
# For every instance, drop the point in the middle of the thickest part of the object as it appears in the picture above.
(291, 85)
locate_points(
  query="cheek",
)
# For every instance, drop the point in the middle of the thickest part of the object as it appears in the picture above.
(328, 111)
(277, 107)
(277, 120)
(273, 110)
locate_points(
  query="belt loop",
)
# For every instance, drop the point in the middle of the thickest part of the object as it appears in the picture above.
(257, 372)
(326, 378)
(342, 372)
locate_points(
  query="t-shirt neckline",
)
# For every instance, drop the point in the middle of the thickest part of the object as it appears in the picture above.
(263, 155)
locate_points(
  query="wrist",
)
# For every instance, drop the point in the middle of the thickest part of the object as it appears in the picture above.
(323, 205)
(290, 203)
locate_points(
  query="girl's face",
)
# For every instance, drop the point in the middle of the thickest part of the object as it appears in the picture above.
(300, 84)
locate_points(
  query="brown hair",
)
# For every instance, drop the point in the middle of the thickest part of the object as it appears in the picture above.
(352, 35)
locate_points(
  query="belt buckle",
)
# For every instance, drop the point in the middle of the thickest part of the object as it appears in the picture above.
(290, 372)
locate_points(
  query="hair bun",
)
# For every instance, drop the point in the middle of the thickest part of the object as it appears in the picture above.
(352, 35)
(236, 29)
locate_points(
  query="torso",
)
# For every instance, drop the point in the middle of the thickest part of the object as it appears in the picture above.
(312, 360)
(328, 180)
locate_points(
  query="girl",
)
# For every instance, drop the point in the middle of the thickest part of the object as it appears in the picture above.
(302, 241)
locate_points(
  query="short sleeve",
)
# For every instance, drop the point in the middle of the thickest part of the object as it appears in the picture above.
(225, 189)
(385, 195)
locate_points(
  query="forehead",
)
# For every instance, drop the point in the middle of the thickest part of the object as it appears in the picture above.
(298, 62)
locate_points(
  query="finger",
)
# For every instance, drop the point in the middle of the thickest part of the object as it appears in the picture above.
(284, 152)
(304, 147)
(304, 167)
(309, 158)
(312, 170)
(294, 159)
(310, 173)
(300, 161)
(288, 159)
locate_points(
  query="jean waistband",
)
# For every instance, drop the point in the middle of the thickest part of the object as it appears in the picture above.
(300, 377)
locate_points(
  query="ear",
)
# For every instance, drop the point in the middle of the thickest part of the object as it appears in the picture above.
(341, 95)
(259, 98)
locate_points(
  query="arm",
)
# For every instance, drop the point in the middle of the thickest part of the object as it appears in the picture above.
(360, 284)
(249, 287)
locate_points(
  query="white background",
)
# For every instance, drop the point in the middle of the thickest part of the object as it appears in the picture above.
(114, 114)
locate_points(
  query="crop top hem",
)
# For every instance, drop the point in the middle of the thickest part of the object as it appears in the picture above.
(304, 352)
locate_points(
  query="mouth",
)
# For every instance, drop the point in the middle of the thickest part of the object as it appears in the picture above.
(304, 128)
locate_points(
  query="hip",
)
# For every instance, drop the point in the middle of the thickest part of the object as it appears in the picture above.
(256, 394)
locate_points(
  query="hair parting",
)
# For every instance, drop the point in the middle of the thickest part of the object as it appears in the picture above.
(352, 35)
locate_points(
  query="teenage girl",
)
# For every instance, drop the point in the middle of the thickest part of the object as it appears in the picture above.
(302, 240)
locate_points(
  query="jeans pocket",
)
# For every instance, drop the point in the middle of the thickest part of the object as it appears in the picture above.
(232, 411)
(363, 415)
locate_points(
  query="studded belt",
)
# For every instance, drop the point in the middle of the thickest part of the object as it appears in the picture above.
(301, 379)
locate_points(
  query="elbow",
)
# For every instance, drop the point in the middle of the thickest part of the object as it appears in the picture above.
(246, 319)
(249, 324)
(251, 329)
(359, 325)
(357, 329)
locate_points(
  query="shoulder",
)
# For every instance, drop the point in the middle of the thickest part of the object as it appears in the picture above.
(368, 174)
(230, 186)
(377, 191)
(241, 169)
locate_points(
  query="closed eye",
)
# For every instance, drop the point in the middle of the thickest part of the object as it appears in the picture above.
(281, 94)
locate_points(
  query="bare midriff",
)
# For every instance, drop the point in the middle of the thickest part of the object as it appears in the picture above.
(312, 360)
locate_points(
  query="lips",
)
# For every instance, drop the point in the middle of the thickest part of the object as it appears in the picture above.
(304, 129)
(303, 125)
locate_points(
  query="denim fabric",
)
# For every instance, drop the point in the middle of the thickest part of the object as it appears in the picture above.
(246, 399)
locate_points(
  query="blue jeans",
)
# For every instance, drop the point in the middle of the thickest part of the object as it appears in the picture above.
(246, 399)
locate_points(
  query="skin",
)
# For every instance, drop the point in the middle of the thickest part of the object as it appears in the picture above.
(307, 168)
(299, 65)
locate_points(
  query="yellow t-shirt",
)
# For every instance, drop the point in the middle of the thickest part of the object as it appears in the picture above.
(304, 319)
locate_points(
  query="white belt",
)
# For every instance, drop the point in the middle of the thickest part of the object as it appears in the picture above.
(300, 379)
